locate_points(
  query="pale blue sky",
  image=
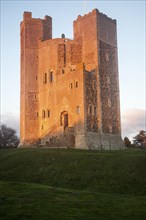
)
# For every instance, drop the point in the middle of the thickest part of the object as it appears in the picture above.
(130, 16)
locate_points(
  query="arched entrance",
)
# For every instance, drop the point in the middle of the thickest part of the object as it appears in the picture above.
(64, 119)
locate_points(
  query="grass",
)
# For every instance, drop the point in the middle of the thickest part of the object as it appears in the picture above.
(72, 184)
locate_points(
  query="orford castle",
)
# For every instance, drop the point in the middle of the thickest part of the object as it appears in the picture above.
(70, 88)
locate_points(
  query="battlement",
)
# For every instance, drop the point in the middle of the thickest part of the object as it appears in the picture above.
(95, 11)
(28, 16)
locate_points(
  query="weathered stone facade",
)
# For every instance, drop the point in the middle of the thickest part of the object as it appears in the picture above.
(70, 88)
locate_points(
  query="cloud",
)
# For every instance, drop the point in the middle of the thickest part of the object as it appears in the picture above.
(133, 120)
(11, 120)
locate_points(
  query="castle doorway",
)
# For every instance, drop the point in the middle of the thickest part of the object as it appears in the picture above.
(64, 120)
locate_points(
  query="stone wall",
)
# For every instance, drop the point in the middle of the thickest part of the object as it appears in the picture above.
(109, 88)
(90, 95)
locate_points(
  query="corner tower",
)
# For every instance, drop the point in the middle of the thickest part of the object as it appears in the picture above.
(98, 36)
(31, 32)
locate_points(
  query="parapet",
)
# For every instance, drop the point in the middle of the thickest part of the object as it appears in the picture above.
(95, 11)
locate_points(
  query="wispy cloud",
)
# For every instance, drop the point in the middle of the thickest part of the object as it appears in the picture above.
(133, 120)
(11, 120)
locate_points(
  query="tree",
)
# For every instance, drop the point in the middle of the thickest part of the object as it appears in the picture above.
(8, 137)
(140, 139)
(127, 142)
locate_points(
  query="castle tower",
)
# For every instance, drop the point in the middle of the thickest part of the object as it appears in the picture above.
(70, 88)
(98, 35)
(31, 31)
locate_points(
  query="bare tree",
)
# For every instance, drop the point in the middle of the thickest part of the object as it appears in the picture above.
(8, 137)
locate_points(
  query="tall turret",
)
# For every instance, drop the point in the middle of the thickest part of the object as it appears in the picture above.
(32, 31)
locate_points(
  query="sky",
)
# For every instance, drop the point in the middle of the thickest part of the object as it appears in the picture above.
(130, 16)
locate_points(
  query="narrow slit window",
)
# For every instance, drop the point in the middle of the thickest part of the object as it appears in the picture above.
(70, 85)
(45, 77)
(95, 111)
(78, 109)
(63, 71)
(48, 113)
(90, 110)
(76, 84)
(43, 114)
(51, 76)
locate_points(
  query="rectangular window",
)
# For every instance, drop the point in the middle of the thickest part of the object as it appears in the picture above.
(90, 110)
(78, 109)
(76, 85)
(95, 112)
(48, 113)
(45, 77)
(43, 114)
(51, 76)
(70, 85)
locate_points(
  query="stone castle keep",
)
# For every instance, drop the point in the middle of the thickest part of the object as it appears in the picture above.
(70, 88)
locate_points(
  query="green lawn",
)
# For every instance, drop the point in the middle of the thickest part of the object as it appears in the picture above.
(72, 184)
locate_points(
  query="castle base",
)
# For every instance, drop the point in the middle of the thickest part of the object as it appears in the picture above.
(96, 141)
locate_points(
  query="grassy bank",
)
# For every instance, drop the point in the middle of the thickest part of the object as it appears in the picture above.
(72, 184)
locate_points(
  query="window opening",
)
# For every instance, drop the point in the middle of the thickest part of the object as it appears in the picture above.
(76, 84)
(78, 109)
(43, 114)
(71, 85)
(95, 112)
(90, 110)
(48, 113)
(63, 71)
(45, 77)
(51, 76)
